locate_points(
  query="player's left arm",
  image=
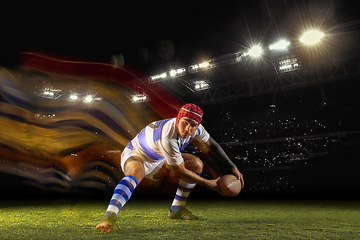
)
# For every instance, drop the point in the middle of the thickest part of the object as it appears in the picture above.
(217, 151)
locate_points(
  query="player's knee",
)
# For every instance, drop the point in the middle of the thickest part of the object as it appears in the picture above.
(138, 172)
(198, 165)
(135, 168)
(194, 163)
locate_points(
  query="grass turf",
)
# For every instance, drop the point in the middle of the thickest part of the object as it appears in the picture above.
(146, 219)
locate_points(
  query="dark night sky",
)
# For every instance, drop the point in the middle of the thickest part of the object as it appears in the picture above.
(152, 36)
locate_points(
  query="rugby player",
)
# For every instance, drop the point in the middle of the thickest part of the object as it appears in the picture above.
(157, 149)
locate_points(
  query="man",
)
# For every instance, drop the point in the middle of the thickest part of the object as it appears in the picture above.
(157, 149)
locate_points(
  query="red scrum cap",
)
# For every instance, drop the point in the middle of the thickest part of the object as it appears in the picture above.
(191, 111)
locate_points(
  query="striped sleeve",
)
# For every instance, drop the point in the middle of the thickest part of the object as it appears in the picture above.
(202, 134)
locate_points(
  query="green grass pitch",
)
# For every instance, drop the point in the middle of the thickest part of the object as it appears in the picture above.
(146, 219)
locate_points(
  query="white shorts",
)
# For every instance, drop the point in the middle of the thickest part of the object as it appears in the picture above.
(151, 168)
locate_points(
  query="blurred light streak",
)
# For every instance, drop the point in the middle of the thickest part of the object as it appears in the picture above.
(72, 143)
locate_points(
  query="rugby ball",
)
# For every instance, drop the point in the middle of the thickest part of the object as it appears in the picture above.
(229, 185)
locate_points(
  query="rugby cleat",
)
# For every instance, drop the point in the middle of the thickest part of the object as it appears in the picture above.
(106, 223)
(182, 213)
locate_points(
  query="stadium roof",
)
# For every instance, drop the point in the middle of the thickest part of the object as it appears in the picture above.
(157, 38)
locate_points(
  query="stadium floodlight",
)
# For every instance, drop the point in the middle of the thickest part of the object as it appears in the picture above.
(280, 45)
(289, 64)
(159, 76)
(255, 51)
(180, 70)
(73, 97)
(201, 66)
(88, 99)
(204, 65)
(311, 37)
(138, 98)
(48, 93)
(173, 73)
(201, 85)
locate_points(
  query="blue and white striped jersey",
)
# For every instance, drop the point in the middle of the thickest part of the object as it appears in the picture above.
(159, 140)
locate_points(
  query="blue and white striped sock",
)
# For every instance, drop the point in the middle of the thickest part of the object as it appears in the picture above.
(121, 195)
(182, 194)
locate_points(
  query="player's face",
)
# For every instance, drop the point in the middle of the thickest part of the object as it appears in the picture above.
(186, 127)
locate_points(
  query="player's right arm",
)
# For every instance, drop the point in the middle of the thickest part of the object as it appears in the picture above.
(169, 147)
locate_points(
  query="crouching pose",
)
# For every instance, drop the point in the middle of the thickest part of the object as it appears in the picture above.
(157, 148)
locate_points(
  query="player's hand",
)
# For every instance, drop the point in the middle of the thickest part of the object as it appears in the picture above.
(239, 176)
(105, 227)
(213, 184)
